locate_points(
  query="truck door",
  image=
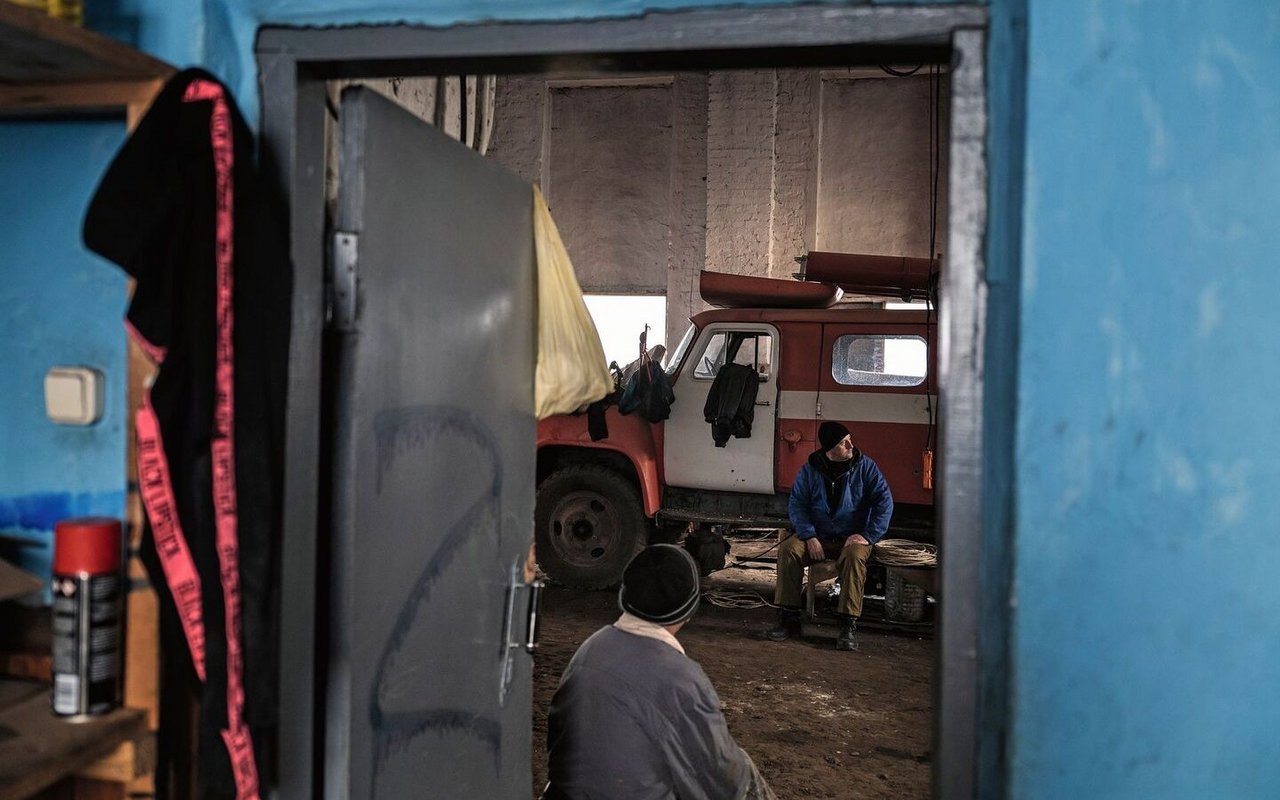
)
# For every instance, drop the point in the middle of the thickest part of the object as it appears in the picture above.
(692, 459)
(875, 380)
(432, 466)
(797, 437)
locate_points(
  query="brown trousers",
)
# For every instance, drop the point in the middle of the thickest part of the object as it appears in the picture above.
(851, 561)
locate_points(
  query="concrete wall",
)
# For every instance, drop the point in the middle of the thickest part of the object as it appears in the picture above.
(875, 183)
(740, 170)
(608, 179)
(734, 171)
(623, 163)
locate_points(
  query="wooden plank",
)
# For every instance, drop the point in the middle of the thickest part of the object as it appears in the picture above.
(136, 765)
(754, 549)
(145, 784)
(130, 761)
(78, 788)
(27, 665)
(15, 582)
(129, 96)
(38, 749)
(142, 650)
(36, 48)
(142, 654)
(13, 692)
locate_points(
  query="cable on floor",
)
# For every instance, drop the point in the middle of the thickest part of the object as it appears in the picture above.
(736, 600)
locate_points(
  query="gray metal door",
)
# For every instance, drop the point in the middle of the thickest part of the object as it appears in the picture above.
(428, 686)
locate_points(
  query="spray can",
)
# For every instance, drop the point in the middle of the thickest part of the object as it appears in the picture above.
(88, 608)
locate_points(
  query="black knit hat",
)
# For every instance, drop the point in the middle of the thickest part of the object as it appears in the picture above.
(660, 585)
(830, 434)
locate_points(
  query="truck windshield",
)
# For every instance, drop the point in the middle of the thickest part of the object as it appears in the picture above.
(674, 359)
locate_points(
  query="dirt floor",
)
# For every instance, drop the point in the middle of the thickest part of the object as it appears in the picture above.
(819, 723)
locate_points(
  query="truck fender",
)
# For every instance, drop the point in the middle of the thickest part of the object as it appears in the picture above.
(630, 441)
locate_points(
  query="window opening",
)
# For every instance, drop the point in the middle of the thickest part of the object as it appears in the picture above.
(619, 320)
(750, 349)
(874, 360)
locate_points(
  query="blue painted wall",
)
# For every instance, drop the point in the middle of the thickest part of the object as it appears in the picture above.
(1135, 169)
(171, 30)
(63, 306)
(1146, 633)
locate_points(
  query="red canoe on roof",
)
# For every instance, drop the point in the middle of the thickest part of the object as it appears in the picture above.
(723, 290)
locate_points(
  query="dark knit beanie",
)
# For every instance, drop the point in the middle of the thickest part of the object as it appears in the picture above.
(660, 585)
(830, 434)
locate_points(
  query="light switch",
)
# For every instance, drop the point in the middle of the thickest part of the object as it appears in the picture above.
(73, 395)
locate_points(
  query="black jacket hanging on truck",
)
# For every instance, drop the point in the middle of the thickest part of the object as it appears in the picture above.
(731, 402)
(182, 211)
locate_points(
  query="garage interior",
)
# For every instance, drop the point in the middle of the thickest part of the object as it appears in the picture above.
(652, 177)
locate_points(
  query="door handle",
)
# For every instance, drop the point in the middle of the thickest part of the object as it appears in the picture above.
(763, 403)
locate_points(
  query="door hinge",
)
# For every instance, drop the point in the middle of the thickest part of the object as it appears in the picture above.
(345, 260)
(513, 639)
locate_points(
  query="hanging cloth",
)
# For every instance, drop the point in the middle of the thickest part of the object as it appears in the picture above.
(181, 209)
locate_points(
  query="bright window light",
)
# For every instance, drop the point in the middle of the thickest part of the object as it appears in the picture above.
(621, 318)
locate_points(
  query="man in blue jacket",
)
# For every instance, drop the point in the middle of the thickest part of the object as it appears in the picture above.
(840, 506)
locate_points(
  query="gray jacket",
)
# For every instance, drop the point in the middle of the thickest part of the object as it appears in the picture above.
(635, 719)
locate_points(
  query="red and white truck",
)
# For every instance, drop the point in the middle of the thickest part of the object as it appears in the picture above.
(873, 369)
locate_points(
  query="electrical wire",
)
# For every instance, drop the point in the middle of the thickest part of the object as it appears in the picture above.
(935, 167)
(741, 600)
(905, 553)
(744, 600)
(897, 73)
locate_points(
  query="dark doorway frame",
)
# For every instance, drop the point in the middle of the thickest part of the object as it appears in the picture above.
(295, 63)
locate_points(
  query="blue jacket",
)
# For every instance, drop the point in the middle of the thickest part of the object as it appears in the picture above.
(865, 507)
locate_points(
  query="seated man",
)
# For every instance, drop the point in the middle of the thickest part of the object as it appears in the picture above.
(840, 506)
(635, 717)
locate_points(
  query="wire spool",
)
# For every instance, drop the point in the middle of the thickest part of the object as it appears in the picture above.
(905, 553)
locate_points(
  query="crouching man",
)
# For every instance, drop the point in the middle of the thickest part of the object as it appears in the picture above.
(840, 506)
(635, 717)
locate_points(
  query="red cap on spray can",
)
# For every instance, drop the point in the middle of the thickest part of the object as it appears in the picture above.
(87, 544)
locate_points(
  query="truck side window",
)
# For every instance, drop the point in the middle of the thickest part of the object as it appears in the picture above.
(877, 360)
(753, 348)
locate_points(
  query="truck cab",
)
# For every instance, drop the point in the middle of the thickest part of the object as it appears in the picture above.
(872, 369)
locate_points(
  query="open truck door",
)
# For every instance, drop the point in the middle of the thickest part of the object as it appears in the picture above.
(692, 458)
(429, 684)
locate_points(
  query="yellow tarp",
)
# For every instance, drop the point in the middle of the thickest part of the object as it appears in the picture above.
(571, 367)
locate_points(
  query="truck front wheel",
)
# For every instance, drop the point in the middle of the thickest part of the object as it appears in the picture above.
(589, 525)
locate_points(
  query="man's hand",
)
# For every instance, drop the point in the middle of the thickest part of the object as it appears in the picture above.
(816, 553)
(857, 538)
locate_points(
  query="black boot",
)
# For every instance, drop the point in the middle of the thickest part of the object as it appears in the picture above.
(846, 640)
(788, 626)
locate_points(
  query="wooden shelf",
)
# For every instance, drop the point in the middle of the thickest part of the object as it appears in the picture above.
(48, 65)
(38, 749)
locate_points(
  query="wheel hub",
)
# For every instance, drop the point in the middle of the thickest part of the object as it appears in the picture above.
(584, 528)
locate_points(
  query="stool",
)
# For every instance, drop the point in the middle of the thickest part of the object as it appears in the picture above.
(815, 574)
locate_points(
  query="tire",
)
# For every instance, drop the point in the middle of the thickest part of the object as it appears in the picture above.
(589, 524)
